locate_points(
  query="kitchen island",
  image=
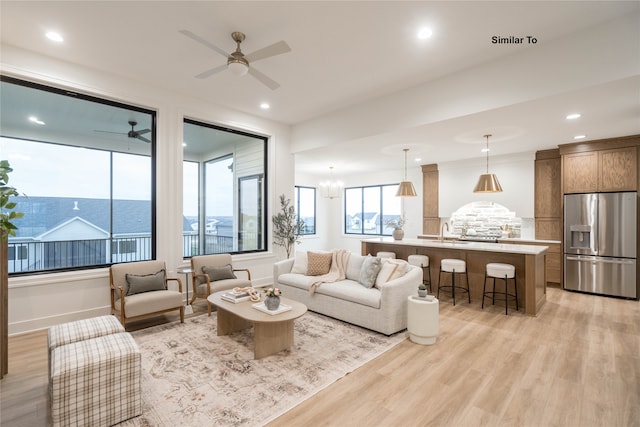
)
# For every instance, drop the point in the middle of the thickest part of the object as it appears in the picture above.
(529, 261)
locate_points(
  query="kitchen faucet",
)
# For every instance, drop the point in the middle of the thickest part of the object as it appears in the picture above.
(442, 230)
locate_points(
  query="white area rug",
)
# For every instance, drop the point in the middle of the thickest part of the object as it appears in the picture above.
(192, 377)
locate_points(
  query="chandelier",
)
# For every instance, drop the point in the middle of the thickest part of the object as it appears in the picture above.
(331, 189)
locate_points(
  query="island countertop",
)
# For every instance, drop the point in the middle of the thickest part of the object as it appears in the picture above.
(529, 261)
(463, 245)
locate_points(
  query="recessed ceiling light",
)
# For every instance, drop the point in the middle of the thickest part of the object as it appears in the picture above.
(56, 37)
(34, 119)
(580, 137)
(265, 106)
(484, 150)
(417, 159)
(184, 144)
(573, 116)
(424, 33)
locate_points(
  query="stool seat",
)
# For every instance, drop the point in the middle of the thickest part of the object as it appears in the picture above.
(496, 269)
(449, 265)
(454, 267)
(383, 254)
(418, 260)
(500, 271)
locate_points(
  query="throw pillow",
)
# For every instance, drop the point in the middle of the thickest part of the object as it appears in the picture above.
(139, 283)
(219, 273)
(300, 263)
(318, 263)
(370, 269)
(386, 270)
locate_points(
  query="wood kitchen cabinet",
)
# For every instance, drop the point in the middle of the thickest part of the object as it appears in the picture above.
(580, 173)
(430, 203)
(548, 195)
(618, 169)
(614, 169)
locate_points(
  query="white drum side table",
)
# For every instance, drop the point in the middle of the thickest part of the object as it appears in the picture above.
(422, 322)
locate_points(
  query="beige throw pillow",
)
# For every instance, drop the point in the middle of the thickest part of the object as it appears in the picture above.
(318, 263)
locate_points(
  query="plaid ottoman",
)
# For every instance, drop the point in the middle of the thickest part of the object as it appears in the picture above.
(95, 382)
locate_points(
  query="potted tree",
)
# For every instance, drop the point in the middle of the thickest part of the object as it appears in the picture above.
(286, 227)
(7, 228)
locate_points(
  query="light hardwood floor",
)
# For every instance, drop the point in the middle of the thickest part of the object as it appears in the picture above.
(576, 364)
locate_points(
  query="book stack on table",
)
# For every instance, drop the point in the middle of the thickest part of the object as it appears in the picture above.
(234, 297)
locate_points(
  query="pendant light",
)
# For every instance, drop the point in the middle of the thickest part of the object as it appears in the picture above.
(406, 189)
(488, 182)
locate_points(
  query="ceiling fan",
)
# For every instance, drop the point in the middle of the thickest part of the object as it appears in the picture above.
(132, 133)
(239, 63)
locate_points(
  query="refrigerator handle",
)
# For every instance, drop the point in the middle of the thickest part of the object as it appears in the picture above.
(599, 260)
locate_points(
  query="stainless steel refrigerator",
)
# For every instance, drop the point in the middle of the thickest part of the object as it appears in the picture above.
(600, 243)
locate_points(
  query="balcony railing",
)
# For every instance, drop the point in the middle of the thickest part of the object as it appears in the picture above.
(32, 257)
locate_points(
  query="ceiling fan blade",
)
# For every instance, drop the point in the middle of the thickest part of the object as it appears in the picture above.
(108, 131)
(142, 138)
(211, 72)
(140, 132)
(271, 84)
(266, 52)
(204, 42)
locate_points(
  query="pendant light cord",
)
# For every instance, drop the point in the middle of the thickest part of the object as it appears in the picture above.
(487, 136)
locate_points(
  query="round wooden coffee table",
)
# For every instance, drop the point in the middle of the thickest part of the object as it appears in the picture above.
(271, 332)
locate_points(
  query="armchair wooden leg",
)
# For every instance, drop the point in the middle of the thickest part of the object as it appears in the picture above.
(182, 314)
(208, 308)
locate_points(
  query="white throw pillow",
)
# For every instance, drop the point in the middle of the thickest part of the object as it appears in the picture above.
(391, 269)
(300, 263)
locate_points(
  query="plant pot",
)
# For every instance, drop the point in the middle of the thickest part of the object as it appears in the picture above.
(272, 303)
(398, 234)
(422, 293)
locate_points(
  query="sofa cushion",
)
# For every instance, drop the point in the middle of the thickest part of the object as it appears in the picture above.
(296, 280)
(354, 266)
(318, 263)
(139, 283)
(300, 263)
(352, 291)
(369, 271)
(219, 273)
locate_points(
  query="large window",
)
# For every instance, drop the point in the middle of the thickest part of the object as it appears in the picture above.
(85, 167)
(305, 205)
(367, 209)
(224, 191)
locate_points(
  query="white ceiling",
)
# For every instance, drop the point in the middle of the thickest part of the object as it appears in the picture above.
(347, 56)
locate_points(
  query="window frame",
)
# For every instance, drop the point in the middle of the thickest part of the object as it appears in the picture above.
(380, 227)
(202, 191)
(315, 207)
(73, 94)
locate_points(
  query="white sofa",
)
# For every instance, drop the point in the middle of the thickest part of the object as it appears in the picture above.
(382, 308)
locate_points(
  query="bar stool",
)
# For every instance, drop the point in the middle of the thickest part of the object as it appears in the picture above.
(391, 255)
(495, 271)
(453, 266)
(422, 261)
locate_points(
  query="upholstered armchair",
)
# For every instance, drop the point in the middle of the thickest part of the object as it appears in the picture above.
(213, 273)
(141, 289)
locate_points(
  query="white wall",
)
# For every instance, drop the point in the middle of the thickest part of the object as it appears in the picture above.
(40, 301)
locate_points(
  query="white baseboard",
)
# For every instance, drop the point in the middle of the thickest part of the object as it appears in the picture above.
(37, 324)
